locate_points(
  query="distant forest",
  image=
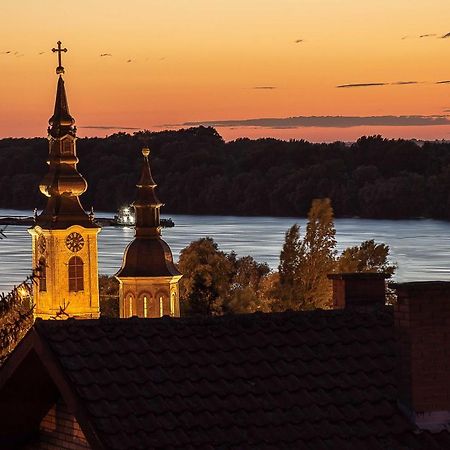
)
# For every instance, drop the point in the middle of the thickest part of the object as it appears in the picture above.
(198, 173)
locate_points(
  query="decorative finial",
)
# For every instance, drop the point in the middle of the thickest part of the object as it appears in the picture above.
(146, 152)
(60, 68)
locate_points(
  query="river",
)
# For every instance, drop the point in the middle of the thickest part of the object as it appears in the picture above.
(421, 248)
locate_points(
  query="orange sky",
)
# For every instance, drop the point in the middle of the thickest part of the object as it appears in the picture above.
(201, 60)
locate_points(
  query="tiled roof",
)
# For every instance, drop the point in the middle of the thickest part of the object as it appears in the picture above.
(316, 380)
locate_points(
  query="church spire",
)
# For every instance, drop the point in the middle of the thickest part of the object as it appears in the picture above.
(61, 123)
(147, 204)
(63, 184)
(147, 255)
(148, 277)
(64, 236)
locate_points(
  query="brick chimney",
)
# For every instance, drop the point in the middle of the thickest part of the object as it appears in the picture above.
(358, 290)
(422, 322)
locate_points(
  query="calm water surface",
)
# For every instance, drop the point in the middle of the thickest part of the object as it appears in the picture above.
(421, 248)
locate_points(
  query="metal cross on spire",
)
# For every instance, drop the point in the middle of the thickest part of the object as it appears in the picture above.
(60, 68)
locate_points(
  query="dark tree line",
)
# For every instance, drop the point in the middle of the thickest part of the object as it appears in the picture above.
(198, 173)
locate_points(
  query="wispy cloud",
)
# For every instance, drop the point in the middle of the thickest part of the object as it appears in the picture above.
(264, 88)
(443, 82)
(358, 85)
(299, 41)
(326, 122)
(105, 54)
(424, 36)
(445, 36)
(108, 127)
(402, 83)
(384, 83)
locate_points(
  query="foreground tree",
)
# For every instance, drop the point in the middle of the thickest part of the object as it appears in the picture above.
(317, 258)
(246, 292)
(289, 282)
(206, 278)
(109, 296)
(215, 282)
(367, 257)
(305, 263)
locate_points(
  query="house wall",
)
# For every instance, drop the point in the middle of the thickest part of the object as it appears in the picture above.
(59, 430)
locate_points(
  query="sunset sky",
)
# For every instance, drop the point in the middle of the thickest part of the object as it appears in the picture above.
(182, 62)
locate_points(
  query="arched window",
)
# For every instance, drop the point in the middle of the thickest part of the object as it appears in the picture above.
(130, 306)
(42, 274)
(172, 304)
(76, 278)
(145, 306)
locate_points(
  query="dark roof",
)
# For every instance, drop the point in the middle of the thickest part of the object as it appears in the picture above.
(61, 212)
(316, 380)
(147, 257)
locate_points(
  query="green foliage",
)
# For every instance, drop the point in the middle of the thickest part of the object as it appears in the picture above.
(374, 177)
(109, 296)
(289, 281)
(317, 258)
(207, 273)
(367, 257)
(246, 292)
(305, 263)
(290, 255)
(216, 283)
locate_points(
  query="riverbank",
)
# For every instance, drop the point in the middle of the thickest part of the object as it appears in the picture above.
(101, 221)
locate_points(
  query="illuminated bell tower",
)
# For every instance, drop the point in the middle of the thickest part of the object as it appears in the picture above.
(64, 237)
(148, 277)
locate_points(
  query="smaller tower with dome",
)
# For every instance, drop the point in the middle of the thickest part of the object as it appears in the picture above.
(148, 277)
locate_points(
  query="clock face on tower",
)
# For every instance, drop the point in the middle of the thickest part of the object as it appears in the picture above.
(74, 242)
(42, 244)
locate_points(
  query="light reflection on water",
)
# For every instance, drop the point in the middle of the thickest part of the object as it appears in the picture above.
(420, 247)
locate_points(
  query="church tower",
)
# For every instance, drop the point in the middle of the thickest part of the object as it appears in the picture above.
(148, 277)
(64, 237)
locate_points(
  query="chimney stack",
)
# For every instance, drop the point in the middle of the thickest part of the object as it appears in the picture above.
(361, 290)
(422, 322)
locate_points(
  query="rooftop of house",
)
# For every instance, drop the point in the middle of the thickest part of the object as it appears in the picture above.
(320, 379)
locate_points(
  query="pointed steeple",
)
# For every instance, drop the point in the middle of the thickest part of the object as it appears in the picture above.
(63, 184)
(61, 123)
(147, 255)
(147, 204)
(146, 178)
